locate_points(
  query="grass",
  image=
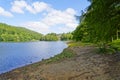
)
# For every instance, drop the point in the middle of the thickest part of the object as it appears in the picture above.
(74, 44)
(110, 48)
(67, 53)
(115, 44)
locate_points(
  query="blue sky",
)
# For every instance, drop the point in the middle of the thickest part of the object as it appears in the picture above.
(43, 16)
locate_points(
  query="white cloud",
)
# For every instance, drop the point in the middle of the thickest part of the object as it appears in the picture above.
(37, 26)
(54, 18)
(5, 13)
(70, 11)
(30, 9)
(19, 6)
(57, 17)
(40, 6)
(60, 17)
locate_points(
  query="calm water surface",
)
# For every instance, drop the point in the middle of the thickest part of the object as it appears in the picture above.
(14, 55)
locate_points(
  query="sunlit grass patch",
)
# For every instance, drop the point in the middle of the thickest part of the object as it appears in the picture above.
(116, 44)
(73, 44)
(67, 53)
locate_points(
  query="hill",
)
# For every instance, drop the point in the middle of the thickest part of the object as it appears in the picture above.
(17, 34)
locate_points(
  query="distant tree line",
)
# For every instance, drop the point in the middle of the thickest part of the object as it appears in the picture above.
(49, 37)
(66, 36)
(20, 34)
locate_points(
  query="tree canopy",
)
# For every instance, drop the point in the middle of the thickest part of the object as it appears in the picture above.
(50, 37)
(100, 22)
(66, 36)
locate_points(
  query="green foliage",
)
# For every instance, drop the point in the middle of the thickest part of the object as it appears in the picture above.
(17, 34)
(104, 50)
(103, 18)
(115, 44)
(74, 44)
(100, 23)
(111, 48)
(67, 53)
(81, 34)
(66, 36)
(50, 37)
(78, 33)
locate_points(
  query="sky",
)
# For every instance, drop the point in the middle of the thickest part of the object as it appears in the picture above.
(43, 16)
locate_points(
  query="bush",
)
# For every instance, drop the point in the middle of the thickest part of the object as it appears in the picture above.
(116, 45)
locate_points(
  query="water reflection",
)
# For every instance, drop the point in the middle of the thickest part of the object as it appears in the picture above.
(13, 55)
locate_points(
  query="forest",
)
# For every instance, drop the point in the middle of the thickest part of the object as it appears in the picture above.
(17, 34)
(100, 24)
(20, 34)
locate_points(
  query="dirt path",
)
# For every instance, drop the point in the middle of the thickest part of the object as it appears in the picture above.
(86, 65)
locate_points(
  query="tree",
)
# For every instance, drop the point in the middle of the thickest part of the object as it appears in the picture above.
(100, 22)
(103, 17)
(66, 36)
(50, 37)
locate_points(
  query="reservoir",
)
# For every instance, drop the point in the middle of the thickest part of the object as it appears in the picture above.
(14, 55)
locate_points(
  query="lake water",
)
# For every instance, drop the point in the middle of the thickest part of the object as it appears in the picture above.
(14, 55)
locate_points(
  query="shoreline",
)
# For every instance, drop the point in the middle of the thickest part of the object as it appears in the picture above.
(43, 61)
(21, 57)
(85, 64)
